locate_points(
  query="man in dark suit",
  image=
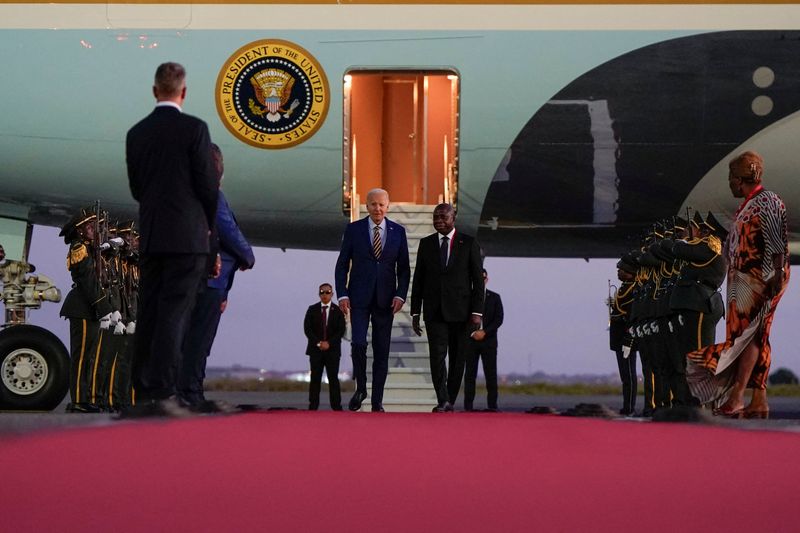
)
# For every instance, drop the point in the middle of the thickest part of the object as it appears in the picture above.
(372, 277)
(324, 326)
(172, 177)
(482, 344)
(448, 289)
(234, 254)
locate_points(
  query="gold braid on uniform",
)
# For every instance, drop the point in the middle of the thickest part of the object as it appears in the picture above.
(623, 294)
(715, 245)
(76, 254)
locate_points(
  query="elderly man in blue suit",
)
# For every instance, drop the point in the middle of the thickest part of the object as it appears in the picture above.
(372, 278)
(235, 254)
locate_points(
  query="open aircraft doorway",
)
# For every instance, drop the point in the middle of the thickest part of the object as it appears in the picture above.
(401, 133)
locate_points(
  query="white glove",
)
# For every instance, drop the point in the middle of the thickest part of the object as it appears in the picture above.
(119, 328)
(131, 329)
(116, 316)
(626, 351)
(105, 322)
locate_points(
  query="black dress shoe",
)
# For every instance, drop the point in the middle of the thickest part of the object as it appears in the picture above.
(337, 408)
(83, 408)
(166, 408)
(468, 408)
(378, 409)
(445, 407)
(313, 407)
(356, 401)
(212, 406)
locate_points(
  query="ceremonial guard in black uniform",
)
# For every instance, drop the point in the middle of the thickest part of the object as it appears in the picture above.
(643, 312)
(696, 300)
(110, 280)
(121, 388)
(87, 308)
(621, 340)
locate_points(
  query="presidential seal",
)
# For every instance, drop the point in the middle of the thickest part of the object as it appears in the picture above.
(272, 94)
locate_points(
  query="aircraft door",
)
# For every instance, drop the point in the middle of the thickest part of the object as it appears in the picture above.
(400, 134)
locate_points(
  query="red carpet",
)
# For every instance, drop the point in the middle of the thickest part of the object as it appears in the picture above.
(300, 471)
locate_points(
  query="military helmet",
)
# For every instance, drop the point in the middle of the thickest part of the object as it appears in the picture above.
(680, 224)
(715, 226)
(128, 226)
(697, 220)
(628, 263)
(80, 218)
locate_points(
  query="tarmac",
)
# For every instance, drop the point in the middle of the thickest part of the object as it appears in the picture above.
(784, 414)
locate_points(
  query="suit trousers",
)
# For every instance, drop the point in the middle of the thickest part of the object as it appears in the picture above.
(381, 340)
(167, 290)
(197, 343)
(330, 363)
(488, 356)
(447, 338)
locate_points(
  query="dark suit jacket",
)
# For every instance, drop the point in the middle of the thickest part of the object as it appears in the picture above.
(234, 250)
(171, 175)
(448, 294)
(360, 276)
(492, 318)
(312, 326)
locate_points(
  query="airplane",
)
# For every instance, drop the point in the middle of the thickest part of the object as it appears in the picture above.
(557, 129)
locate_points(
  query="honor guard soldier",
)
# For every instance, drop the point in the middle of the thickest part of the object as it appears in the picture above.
(668, 345)
(642, 310)
(654, 330)
(121, 389)
(110, 279)
(87, 308)
(696, 299)
(621, 341)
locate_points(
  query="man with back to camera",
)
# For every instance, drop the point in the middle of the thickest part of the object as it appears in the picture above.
(482, 344)
(324, 326)
(171, 175)
(372, 277)
(235, 253)
(448, 288)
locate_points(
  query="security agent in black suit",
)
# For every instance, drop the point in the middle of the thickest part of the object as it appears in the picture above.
(482, 344)
(172, 176)
(324, 326)
(448, 289)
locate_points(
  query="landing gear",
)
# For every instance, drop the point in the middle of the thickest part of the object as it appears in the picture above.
(34, 368)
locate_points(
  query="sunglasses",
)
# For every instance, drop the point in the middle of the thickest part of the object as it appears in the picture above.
(326, 292)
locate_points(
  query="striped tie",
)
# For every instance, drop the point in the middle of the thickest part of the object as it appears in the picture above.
(376, 242)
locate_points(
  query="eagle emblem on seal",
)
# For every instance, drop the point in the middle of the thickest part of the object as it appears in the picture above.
(273, 87)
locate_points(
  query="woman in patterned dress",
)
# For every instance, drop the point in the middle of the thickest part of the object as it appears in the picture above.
(757, 251)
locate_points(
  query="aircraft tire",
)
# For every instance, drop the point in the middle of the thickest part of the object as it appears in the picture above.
(34, 369)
